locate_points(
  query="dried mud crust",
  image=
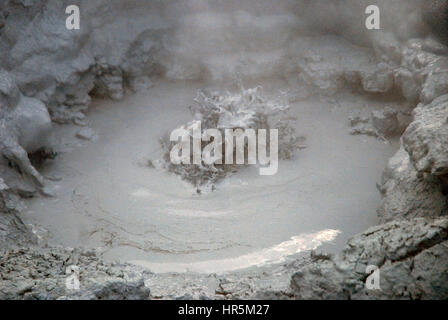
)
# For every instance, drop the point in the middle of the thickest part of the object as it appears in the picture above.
(38, 273)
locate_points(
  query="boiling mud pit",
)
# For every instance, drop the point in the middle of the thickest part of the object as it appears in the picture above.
(107, 196)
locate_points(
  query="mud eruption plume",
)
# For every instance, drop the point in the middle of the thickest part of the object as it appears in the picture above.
(248, 109)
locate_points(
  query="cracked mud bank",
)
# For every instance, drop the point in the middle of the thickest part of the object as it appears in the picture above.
(82, 111)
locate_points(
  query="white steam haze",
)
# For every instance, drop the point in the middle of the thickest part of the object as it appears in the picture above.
(258, 38)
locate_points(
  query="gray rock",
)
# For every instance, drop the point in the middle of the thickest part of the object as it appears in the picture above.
(378, 80)
(120, 290)
(412, 75)
(9, 92)
(43, 276)
(383, 124)
(40, 273)
(108, 83)
(32, 124)
(423, 73)
(86, 133)
(322, 75)
(387, 47)
(330, 64)
(436, 83)
(62, 67)
(24, 128)
(405, 253)
(385, 121)
(407, 194)
(17, 183)
(410, 84)
(13, 232)
(426, 138)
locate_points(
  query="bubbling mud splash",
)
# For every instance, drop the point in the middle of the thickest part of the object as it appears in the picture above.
(247, 110)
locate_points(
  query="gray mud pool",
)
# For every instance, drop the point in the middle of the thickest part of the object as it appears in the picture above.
(107, 197)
